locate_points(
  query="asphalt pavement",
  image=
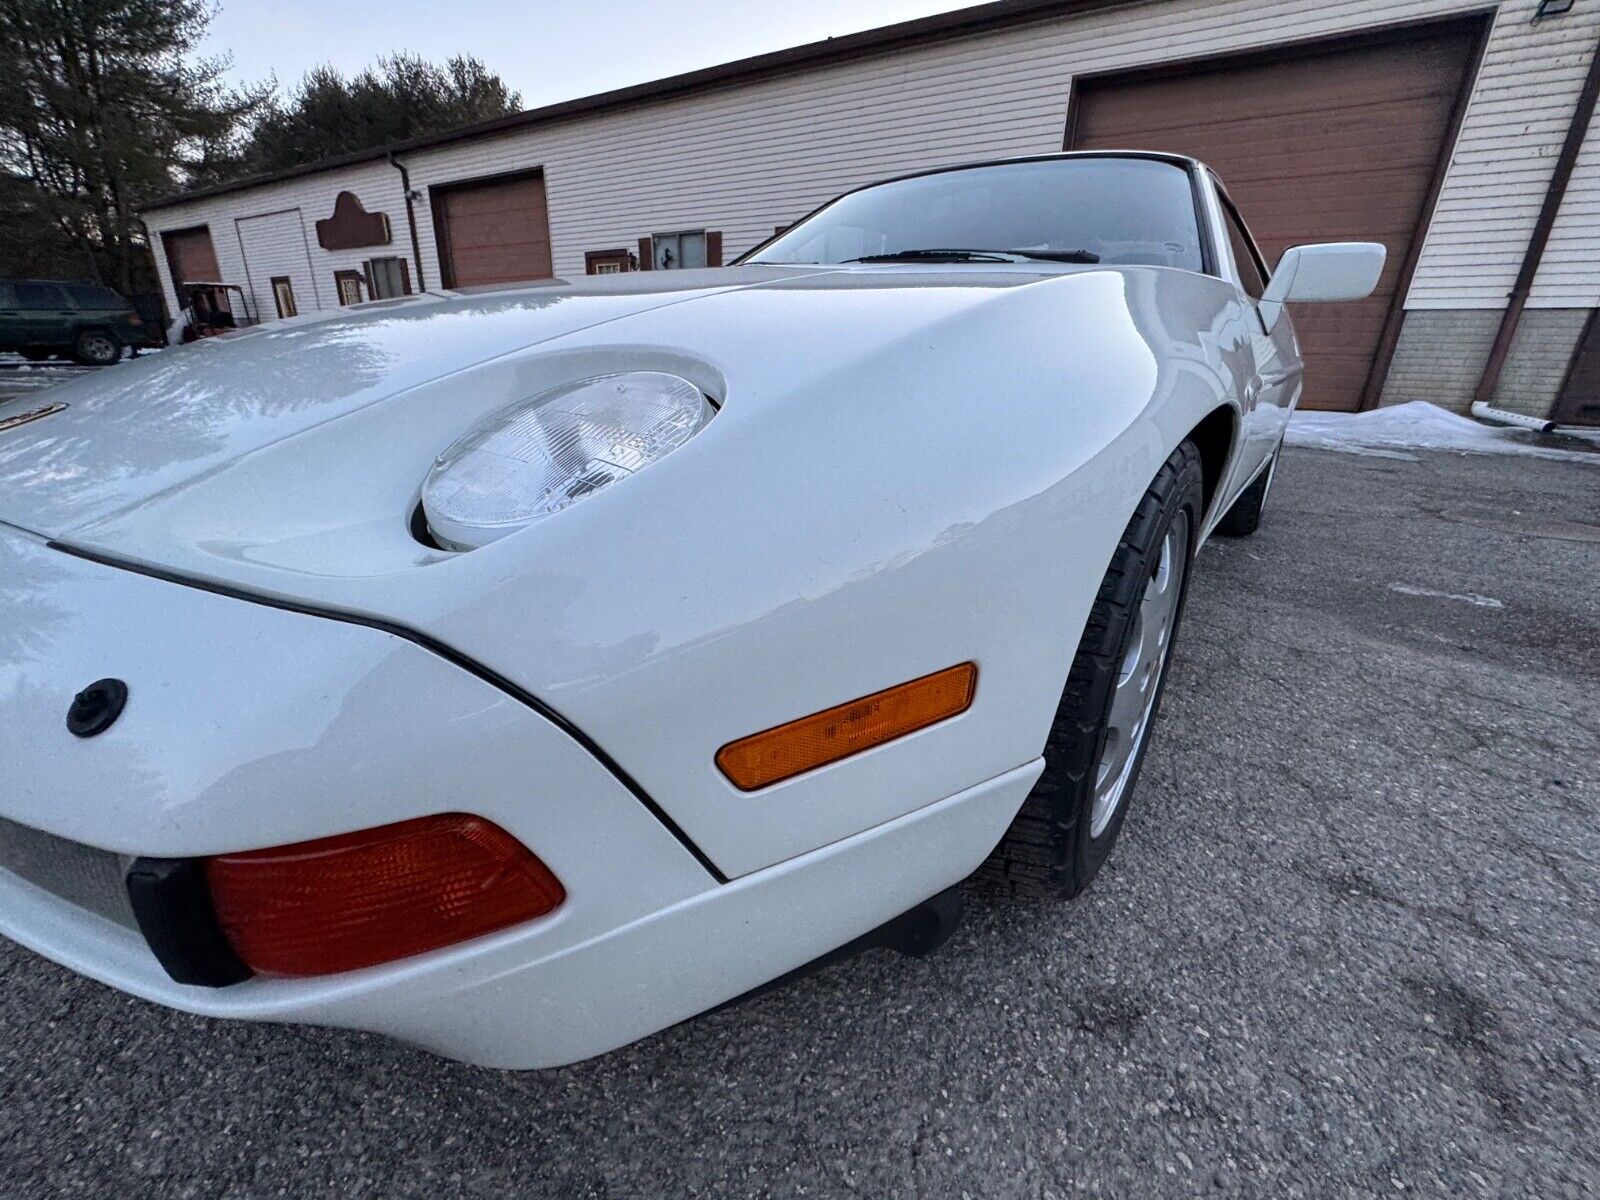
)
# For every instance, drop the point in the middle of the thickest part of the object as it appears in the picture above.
(18, 377)
(1348, 945)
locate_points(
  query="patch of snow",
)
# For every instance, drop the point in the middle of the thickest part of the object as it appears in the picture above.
(1406, 589)
(1387, 432)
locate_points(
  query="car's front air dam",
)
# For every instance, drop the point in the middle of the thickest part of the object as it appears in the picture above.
(524, 999)
(249, 726)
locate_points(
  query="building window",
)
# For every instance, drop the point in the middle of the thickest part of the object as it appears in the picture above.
(671, 251)
(349, 285)
(609, 262)
(686, 249)
(283, 296)
(388, 278)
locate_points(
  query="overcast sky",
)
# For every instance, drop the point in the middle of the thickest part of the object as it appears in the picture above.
(547, 49)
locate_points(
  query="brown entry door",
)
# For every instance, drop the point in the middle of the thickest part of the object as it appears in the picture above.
(1341, 141)
(493, 231)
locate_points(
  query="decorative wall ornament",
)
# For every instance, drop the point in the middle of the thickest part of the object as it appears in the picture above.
(352, 226)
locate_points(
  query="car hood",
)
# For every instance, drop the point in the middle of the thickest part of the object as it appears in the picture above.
(287, 462)
(150, 426)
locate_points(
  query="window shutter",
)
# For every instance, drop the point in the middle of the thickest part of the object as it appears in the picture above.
(647, 254)
(713, 248)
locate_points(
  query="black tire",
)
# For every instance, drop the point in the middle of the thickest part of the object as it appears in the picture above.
(1050, 851)
(1244, 517)
(96, 348)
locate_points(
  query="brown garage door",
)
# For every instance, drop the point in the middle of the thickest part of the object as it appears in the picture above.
(493, 231)
(190, 256)
(1342, 140)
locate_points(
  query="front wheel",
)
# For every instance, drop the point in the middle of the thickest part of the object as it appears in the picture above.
(96, 348)
(1097, 743)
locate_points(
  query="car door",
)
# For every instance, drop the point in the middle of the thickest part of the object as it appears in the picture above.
(45, 315)
(1279, 370)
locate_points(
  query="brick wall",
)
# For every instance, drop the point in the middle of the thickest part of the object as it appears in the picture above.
(1540, 355)
(1442, 353)
(1441, 356)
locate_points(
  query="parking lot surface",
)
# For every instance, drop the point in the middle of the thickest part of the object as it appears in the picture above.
(18, 377)
(1348, 945)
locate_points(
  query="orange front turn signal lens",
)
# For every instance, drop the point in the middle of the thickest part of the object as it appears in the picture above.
(825, 737)
(358, 899)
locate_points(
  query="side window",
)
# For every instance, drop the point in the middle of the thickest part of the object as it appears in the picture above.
(675, 250)
(40, 295)
(93, 296)
(688, 249)
(388, 278)
(1252, 271)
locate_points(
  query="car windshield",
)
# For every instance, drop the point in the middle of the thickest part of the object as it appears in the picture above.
(1123, 211)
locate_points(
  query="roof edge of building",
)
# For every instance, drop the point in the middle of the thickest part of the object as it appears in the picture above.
(981, 18)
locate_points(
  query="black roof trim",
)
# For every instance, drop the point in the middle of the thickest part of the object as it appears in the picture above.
(983, 17)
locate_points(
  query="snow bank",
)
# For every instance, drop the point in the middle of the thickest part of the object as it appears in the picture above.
(1389, 432)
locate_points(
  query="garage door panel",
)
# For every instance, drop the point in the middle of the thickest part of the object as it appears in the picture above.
(1417, 66)
(191, 257)
(494, 231)
(274, 246)
(1339, 143)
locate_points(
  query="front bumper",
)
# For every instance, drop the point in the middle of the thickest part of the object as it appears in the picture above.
(543, 995)
(249, 726)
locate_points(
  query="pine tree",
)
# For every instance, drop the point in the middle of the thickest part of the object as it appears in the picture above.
(104, 105)
(402, 97)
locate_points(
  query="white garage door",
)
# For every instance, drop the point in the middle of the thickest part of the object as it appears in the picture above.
(277, 262)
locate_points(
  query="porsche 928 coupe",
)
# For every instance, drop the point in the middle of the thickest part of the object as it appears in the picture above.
(517, 674)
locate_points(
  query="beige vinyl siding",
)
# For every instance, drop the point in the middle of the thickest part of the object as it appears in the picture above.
(1568, 277)
(749, 156)
(1517, 119)
(378, 185)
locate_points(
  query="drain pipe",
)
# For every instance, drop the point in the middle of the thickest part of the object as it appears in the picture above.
(1500, 416)
(411, 219)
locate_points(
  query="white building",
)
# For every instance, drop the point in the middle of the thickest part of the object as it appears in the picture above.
(1456, 131)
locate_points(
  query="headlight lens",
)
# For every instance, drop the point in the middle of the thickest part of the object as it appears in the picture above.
(551, 451)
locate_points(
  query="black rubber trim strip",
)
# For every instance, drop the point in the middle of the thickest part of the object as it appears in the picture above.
(434, 647)
(173, 907)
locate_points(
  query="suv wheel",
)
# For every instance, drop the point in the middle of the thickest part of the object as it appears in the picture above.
(96, 348)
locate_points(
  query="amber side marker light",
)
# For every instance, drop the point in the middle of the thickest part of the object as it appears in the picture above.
(376, 895)
(825, 737)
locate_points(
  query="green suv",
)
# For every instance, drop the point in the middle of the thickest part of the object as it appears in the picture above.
(91, 323)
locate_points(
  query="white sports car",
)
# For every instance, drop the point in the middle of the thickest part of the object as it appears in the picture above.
(521, 673)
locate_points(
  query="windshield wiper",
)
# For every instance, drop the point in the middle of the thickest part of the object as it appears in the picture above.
(1060, 256)
(936, 256)
(951, 255)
